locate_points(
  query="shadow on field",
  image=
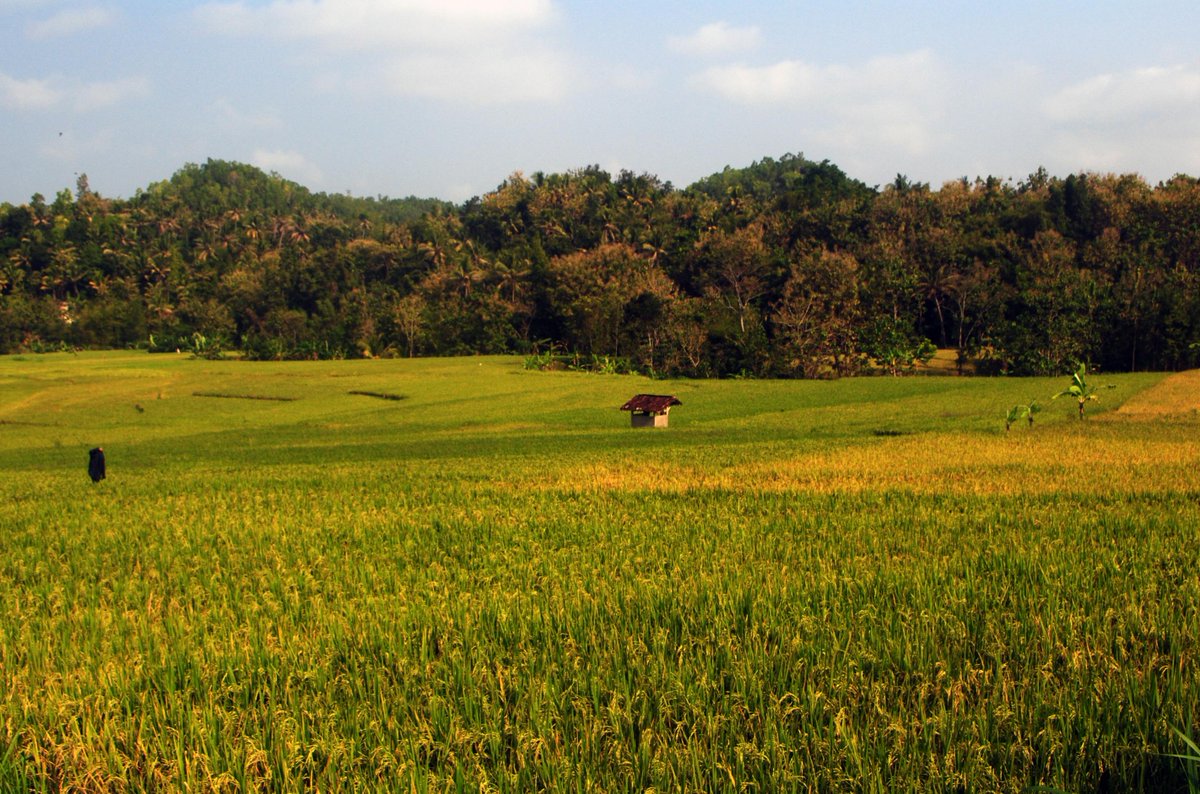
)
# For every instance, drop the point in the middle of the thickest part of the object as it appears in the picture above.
(331, 446)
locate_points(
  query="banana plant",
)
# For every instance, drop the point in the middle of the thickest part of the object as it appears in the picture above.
(1080, 389)
(1018, 412)
(1031, 409)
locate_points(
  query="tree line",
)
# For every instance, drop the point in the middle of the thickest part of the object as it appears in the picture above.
(787, 267)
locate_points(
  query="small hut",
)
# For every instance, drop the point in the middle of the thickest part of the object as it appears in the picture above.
(649, 410)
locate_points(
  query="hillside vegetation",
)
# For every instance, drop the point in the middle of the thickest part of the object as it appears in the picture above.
(490, 581)
(786, 267)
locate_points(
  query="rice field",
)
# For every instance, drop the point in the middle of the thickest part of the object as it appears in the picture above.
(456, 574)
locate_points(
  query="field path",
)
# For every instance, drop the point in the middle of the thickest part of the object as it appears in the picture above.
(1175, 394)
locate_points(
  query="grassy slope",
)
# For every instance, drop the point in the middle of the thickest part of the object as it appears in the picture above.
(863, 583)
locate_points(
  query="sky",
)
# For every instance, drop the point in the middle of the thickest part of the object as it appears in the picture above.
(447, 98)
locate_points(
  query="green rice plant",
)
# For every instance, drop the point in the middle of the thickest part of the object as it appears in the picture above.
(1191, 759)
(502, 586)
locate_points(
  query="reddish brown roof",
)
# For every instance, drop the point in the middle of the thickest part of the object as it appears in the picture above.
(650, 403)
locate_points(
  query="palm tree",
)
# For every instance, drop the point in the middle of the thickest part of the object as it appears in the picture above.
(510, 278)
(653, 251)
(463, 275)
(937, 282)
(65, 273)
(167, 228)
(14, 271)
(434, 253)
(158, 267)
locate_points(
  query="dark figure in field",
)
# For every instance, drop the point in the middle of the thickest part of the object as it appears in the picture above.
(96, 464)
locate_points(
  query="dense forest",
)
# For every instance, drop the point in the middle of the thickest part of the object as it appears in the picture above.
(788, 267)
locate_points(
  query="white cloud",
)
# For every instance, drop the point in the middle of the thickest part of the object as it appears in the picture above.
(1141, 120)
(289, 164)
(717, 38)
(70, 146)
(1145, 150)
(40, 94)
(896, 102)
(461, 191)
(626, 79)
(231, 117)
(21, 5)
(1147, 120)
(69, 22)
(783, 82)
(477, 51)
(355, 24)
(92, 96)
(28, 94)
(480, 78)
(797, 81)
(1138, 94)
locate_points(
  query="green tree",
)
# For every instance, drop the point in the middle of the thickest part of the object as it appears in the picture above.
(895, 345)
(816, 321)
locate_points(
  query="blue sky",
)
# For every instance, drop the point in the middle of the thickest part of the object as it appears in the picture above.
(446, 98)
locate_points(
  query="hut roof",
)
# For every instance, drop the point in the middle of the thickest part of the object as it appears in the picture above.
(650, 403)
